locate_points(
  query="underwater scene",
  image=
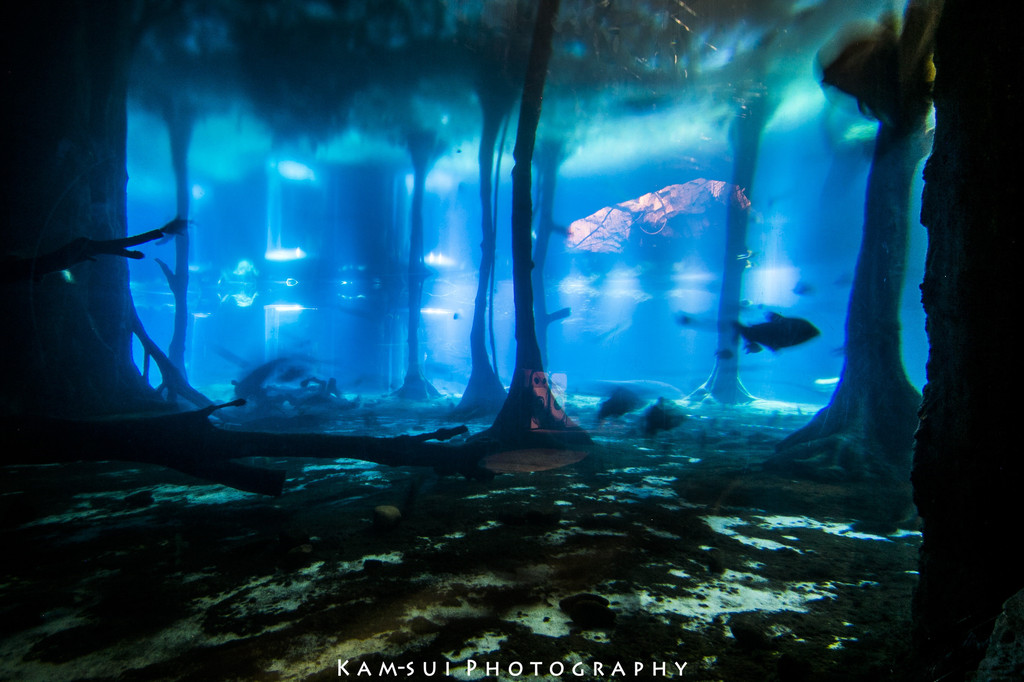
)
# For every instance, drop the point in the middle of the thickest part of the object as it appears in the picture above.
(499, 340)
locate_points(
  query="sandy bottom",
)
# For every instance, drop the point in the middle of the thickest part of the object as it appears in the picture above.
(714, 569)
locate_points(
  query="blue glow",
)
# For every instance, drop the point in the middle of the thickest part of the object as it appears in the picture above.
(283, 255)
(293, 170)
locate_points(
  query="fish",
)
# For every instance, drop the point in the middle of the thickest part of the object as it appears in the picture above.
(802, 288)
(778, 332)
(663, 415)
(621, 401)
(176, 227)
(283, 369)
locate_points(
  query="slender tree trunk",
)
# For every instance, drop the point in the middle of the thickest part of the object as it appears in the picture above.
(423, 149)
(530, 415)
(967, 469)
(484, 392)
(724, 383)
(180, 121)
(549, 157)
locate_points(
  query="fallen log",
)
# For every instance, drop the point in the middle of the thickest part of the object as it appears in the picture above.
(188, 442)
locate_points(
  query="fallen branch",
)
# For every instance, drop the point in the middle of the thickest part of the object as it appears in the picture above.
(80, 250)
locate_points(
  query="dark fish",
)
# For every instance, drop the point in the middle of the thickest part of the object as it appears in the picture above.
(283, 369)
(802, 288)
(621, 401)
(251, 385)
(724, 354)
(778, 332)
(176, 227)
(662, 416)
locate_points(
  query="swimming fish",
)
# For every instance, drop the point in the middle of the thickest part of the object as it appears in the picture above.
(778, 332)
(621, 401)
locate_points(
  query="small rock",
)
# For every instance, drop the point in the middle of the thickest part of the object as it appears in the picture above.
(138, 500)
(288, 540)
(794, 669)
(1004, 658)
(749, 635)
(423, 626)
(386, 517)
(588, 611)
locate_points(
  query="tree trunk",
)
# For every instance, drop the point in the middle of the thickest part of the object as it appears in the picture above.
(423, 148)
(180, 121)
(867, 428)
(530, 416)
(724, 383)
(967, 468)
(70, 349)
(484, 393)
(549, 158)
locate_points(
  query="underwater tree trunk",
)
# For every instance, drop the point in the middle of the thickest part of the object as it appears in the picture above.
(69, 349)
(530, 415)
(549, 157)
(868, 426)
(180, 121)
(724, 383)
(484, 393)
(423, 149)
(967, 468)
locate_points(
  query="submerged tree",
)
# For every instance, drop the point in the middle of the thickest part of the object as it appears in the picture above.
(531, 416)
(868, 426)
(179, 71)
(496, 94)
(724, 384)
(967, 465)
(550, 155)
(424, 149)
(70, 350)
(755, 80)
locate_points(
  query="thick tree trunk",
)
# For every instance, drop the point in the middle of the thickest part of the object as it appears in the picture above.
(484, 393)
(69, 351)
(968, 469)
(423, 148)
(868, 426)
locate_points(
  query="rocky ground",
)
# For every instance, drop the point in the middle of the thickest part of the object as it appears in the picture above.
(700, 566)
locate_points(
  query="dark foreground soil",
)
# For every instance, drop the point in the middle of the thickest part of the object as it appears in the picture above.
(712, 569)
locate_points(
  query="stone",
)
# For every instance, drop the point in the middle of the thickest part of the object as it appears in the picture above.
(1004, 658)
(386, 517)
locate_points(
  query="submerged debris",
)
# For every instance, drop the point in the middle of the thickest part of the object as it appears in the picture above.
(662, 416)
